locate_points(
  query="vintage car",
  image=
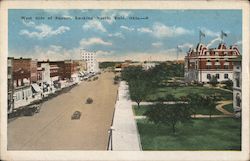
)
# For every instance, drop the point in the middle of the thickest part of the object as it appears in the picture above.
(76, 115)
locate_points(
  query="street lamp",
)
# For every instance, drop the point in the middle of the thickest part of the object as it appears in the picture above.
(110, 131)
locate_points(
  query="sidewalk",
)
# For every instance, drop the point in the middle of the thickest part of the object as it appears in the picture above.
(125, 134)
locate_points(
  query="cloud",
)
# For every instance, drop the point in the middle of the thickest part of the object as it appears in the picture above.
(185, 45)
(213, 41)
(95, 25)
(112, 13)
(117, 34)
(42, 30)
(145, 30)
(238, 42)
(127, 28)
(94, 41)
(209, 32)
(160, 30)
(157, 44)
(101, 53)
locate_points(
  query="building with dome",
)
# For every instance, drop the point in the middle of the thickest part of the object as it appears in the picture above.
(202, 63)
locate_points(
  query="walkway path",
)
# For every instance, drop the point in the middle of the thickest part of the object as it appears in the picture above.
(218, 107)
(125, 133)
(221, 109)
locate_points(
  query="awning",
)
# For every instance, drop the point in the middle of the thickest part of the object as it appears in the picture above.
(36, 88)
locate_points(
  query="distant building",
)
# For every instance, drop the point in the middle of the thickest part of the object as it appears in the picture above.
(90, 58)
(148, 65)
(237, 86)
(202, 63)
(23, 75)
(10, 85)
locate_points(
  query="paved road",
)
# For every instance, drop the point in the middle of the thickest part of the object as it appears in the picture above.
(53, 129)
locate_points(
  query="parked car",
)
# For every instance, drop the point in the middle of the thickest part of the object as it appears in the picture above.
(31, 110)
(76, 115)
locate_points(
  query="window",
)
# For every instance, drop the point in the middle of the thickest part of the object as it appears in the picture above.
(226, 67)
(238, 100)
(208, 66)
(217, 76)
(217, 66)
(237, 82)
(226, 76)
(208, 76)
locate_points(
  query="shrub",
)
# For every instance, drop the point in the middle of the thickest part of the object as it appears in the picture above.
(89, 100)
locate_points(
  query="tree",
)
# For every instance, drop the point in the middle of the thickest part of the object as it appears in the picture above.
(138, 89)
(169, 114)
(131, 73)
(195, 101)
(229, 84)
(210, 104)
(213, 81)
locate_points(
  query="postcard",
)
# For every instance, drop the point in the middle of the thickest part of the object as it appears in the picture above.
(124, 80)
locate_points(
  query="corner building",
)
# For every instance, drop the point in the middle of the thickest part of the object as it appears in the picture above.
(202, 63)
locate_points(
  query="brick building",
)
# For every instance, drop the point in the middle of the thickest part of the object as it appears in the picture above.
(202, 63)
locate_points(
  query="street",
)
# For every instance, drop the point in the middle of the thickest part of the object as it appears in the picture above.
(53, 129)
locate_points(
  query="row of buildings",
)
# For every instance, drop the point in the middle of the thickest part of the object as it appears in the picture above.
(29, 80)
(223, 63)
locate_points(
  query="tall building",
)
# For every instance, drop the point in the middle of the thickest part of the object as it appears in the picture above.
(202, 63)
(90, 58)
(23, 75)
(237, 86)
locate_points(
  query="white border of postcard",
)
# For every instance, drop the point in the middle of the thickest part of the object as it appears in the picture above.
(125, 155)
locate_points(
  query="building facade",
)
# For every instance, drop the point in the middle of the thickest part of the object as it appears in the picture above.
(201, 63)
(10, 85)
(90, 58)
(237, 86)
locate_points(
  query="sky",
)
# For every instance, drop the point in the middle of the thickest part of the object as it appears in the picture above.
(138, 34)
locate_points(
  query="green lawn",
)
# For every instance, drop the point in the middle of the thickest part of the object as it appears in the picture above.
(229, 108)
(143, 108)
(202, 134)
(184, 91)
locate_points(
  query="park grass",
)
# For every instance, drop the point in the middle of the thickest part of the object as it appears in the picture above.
(229, 108)
(184, 91)
(201, 134)
(143, 108)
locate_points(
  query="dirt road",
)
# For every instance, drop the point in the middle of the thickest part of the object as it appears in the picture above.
(53, 129)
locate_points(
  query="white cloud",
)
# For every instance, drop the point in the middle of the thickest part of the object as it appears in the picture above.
(94, 41)
(117, 34)
(157, 44)
(238, 43)
(127, 28)
(95, 25)
(144, 29)
(29, 23)
(42, 30)
(209, 32)
(185, 45)
(160, 30)
(213, 41)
